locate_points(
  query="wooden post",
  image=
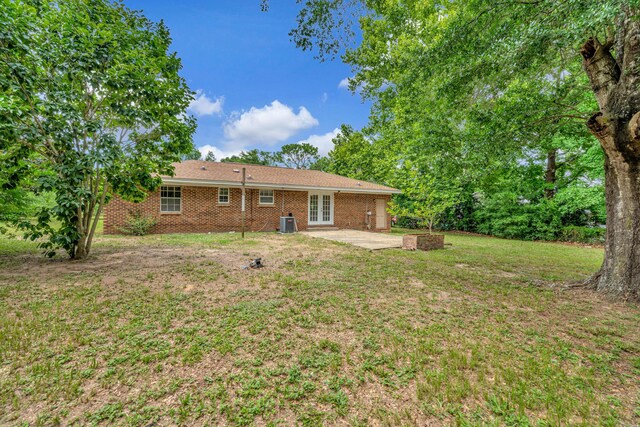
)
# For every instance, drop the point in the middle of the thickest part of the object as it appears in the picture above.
(244, 171)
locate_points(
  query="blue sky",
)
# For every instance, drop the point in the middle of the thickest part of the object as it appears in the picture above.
(255, 88)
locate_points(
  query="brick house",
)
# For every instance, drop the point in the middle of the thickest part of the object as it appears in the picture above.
(207, 196)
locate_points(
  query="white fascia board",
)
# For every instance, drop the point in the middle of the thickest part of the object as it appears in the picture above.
(209, 183)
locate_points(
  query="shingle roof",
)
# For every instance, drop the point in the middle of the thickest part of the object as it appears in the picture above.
(203, 173)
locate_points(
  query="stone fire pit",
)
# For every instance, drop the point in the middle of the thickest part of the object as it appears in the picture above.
(423, 242)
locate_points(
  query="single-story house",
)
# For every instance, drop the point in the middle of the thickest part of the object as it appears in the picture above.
(207, 197)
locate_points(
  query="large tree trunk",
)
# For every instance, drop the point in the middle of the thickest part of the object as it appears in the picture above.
(615, 82)
(550, 174)
(620, 273)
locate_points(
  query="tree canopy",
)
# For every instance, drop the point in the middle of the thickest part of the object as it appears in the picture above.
(253, 157)
(298, 156)
(92, 101)
(471, 90)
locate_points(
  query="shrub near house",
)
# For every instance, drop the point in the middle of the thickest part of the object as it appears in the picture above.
(138, 223)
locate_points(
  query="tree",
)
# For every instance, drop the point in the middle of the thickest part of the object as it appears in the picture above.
(298, 156)
(210, 157)
(364, 155)
(615, 81)
(92, 100)
(352, 155)
(322, 164)
(194, 154)
(450, 63)
(425, 198)
(252, 157)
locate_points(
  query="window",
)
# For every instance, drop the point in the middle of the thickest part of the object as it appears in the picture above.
(170, 199)
(313, 208)
(326, 208)
(223, 196)
(266, 197)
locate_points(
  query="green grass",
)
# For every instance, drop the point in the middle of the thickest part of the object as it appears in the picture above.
(172, 330)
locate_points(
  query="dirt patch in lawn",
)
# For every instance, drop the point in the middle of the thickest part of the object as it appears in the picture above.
(137, 259)
(106, 261)
(167, 330)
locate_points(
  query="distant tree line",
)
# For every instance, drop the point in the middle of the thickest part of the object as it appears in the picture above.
(298, 156)
(536, 194)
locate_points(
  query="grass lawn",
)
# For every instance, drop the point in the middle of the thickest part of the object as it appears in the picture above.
(164, 330)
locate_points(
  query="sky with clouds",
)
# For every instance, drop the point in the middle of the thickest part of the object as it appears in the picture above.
(254, 89)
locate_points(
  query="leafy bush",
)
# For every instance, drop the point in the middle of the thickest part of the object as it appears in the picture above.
(582, 205)
(574, 233)
(138, 224)
(460, 216)
(505, 215)
(562, 218)
(408, 222)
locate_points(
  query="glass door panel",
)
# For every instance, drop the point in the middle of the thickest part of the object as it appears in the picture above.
(313, 208)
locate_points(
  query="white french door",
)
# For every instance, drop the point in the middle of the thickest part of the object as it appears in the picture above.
(320, 208)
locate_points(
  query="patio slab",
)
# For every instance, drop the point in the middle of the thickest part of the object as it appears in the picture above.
(363, 239)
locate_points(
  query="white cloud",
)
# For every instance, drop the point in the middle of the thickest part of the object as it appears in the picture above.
(344, 83)
(220, 154)
(325, 97)
(267, 125)
(323, 142)
(205, 106)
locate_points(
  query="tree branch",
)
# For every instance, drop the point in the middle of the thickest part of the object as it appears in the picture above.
(562, 116)
(96, 218)
(601, 68)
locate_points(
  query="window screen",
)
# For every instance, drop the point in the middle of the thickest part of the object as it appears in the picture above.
(223, 195)
(170, 199)
(266, 197)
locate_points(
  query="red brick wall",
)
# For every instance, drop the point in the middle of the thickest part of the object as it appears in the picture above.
(201, 212)
(350, 211)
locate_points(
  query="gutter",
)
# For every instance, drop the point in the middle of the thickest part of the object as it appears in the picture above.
(210, 183)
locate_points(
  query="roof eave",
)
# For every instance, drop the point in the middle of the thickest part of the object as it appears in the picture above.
(217, 183)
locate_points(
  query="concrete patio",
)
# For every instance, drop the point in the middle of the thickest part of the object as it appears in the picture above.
(363, 239)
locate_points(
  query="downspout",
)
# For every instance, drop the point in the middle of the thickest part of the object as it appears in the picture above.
(244, 172)
(367, 217)
(251, 206)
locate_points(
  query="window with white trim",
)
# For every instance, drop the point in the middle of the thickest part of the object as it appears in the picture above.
(170, 199)
(223, 196)
(266, 197)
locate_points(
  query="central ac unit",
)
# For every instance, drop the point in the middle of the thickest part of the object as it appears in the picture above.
(287, 224)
